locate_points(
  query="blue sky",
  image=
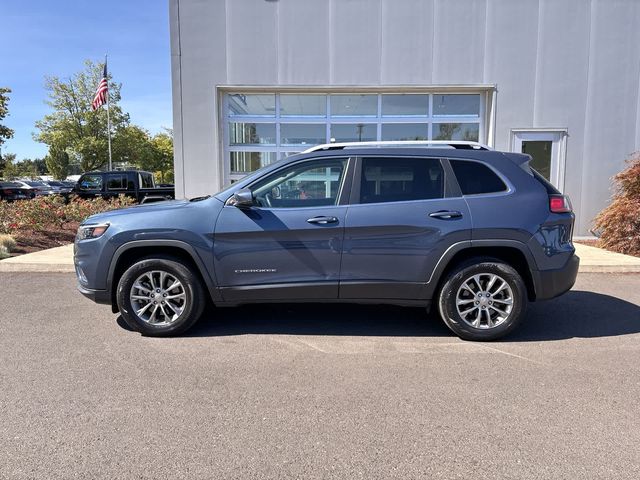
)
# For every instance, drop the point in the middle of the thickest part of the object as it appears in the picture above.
(42, 37)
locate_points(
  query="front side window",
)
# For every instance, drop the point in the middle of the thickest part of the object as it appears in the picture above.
(400, 179)
(309, 184)
(475, 178)
(91, 182)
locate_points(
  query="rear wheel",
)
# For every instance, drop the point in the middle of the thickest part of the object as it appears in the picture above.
(160, 297)
(483, 299)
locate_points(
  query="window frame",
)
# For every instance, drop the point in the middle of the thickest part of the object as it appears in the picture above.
(280, 150)
(451, 189)
(344, 189)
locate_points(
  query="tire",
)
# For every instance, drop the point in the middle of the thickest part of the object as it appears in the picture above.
(487, 288)
(178, 305)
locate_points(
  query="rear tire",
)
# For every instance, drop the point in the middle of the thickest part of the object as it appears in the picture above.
(483, 299)
(160, 297)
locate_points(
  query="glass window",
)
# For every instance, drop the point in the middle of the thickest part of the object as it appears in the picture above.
(146, 180)
(309, 184)
(245, 162)
(91, 182)
(117, 182)
(475, 178)
(405, 131)
(540, 151)
(460, 105)
(307, 105)
(302, 134)
(456, 131)
(252, 104)
(401, 179)
(348, 132)
(252, 133)
(350, 105)
(405, 104)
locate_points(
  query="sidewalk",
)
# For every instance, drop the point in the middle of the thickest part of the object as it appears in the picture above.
(60, 259)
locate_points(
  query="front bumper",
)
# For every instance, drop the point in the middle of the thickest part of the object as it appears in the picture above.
(98, 296)
(551, 283)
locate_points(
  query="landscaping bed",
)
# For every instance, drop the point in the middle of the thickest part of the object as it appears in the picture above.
(48, 222)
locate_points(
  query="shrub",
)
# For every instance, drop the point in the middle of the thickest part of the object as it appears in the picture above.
(4, 253)
(619, 223)
(8, 242)
(52, 212)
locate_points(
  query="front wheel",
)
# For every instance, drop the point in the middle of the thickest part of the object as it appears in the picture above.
(482, 300)
(160, 297)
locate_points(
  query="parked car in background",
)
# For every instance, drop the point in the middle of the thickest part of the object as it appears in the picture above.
(11, 191)
(132, 183)
(59, 187)
(472, 233)
(39, 187)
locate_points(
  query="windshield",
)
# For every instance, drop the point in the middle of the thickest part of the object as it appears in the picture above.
(36, 184)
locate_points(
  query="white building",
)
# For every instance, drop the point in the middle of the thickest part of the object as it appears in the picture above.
(255, 80)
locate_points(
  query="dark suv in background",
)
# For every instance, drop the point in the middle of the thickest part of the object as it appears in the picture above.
(471, 232)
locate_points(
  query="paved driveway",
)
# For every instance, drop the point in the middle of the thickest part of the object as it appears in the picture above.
(318, 392)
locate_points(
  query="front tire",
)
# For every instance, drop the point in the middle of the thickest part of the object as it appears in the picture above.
(483, 299)
(160, 297)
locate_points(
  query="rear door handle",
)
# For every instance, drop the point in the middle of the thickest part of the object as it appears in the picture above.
(446, 214)
(322, 220)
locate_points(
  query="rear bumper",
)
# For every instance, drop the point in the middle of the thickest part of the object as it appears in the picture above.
(551, 283)
(98, 296)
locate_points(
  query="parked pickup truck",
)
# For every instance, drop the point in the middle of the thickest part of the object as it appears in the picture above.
(133, 183)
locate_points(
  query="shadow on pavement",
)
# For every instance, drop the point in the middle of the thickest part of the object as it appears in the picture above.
(575, 314)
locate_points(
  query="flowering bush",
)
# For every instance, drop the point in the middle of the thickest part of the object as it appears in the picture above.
(52, 212)
(619, 223)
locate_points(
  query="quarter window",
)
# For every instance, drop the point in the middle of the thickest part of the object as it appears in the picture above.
(310, 184)
(400, 179)
(475, 178)
(146, 180)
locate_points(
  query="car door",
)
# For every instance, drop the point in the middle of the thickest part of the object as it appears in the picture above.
(287, 245)
(404, 214)
(90, 185)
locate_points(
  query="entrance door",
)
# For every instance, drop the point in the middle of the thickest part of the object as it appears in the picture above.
(547, 149)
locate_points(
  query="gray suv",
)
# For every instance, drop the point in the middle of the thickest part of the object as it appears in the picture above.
(471, 232)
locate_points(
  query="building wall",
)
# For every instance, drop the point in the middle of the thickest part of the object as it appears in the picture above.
(571, 64)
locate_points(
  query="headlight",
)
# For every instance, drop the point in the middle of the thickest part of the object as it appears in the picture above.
(91, 231)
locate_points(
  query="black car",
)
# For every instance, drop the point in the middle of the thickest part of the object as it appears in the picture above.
(132, 183)
(14, 191)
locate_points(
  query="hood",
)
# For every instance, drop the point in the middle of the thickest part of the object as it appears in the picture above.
(147, 210)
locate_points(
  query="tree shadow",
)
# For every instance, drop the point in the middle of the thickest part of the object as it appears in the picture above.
(576, 314)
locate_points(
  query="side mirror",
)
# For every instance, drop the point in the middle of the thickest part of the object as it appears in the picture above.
(243, 198)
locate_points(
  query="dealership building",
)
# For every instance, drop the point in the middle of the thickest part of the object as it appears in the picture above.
(257, 80)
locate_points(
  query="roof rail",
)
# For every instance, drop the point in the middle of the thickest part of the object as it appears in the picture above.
(457, 144)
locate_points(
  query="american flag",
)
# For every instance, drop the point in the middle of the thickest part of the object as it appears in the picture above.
(100, 98)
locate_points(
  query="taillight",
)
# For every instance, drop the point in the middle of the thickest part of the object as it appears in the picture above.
(10, 192)
(559, 204)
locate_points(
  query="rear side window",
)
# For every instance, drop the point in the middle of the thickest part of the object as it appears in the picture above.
(475, 178)
(117, 182)
(400, 179)
(146, 180)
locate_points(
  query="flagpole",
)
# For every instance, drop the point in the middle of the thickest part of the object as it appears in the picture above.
(108, 118)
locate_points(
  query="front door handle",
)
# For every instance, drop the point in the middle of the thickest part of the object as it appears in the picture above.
(446, 214)
(322, 220)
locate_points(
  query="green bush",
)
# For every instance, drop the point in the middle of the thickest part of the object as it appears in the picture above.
(8, 242)
(619, 223)
(4, 253)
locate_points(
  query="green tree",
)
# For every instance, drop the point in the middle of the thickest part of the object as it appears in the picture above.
(57, 162)
(163, 148)
(73, 123)
(9, 169)
(5, 132)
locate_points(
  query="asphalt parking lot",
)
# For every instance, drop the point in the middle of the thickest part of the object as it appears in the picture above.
(322, 391)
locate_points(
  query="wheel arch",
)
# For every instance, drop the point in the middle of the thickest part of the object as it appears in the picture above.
(131, 252)
(511, 252)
